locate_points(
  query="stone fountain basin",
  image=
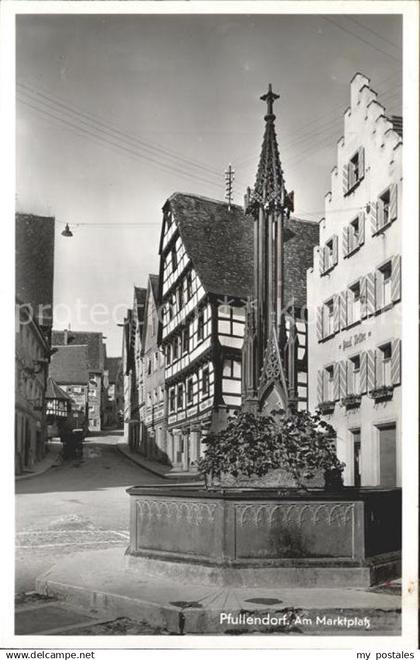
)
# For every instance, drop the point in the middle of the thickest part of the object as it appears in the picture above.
(254, 536)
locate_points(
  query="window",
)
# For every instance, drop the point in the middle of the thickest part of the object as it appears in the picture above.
(175, 349)
(354, 170)
(205, 381)
(189, 286)
(384, 208)
(186, 339)
(200, 325)
(156, 361)
(155, 396)
(161, 394)
(149, 399)
(384, 211)
(329, 317)
(231, 369)
(354, 375)
(329, 383)
(190, 390)
(149, 366)
(174, 259)
(383, 280)
(353, 304)
(168, 354)
(180, 297)
(384, 367)
(329, 247)
(180, 397)
(328, 257)
(172, 399)
(170, 310)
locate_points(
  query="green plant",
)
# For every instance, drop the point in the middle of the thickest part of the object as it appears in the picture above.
(301, 443)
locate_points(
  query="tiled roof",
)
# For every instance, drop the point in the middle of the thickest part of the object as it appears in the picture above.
(218, 241)
(69, 365)
(113, 364)
(154, 281)
(35, 263)
(93, 340)
(220, 244)
(140, 301)
(54, 391)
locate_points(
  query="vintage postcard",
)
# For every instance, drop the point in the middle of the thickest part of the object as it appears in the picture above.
(213, 228)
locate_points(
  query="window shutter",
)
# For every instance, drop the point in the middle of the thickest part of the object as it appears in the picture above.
(349, 368)
(361, 162)
(370, 369)
(343, 309)
(379, 303)
(370, 293)
(393, 202)
(345, 179)
(374, 217)
(363, 372)
(322, 260)
(396, 278)
(361, 228)
(335, 249)
(336, 303)
(378, 368)
(346, 241)
(336, 381)
(320, 323)
(320, 386)
(363, 299)
(396, 362)
(343, 379)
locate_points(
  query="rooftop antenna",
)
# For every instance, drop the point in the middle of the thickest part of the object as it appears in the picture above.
(229, 178)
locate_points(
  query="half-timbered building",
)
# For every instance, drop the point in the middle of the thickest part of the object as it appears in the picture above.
(205, 279)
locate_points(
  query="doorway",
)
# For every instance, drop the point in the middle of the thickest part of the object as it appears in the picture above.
(357, 468)
(387, 455)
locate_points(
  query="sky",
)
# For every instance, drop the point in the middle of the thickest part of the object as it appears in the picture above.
(117, 112)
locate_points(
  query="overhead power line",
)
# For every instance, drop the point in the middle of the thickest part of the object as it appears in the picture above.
(89, 118)
(365, 41)
(376, 34)
(102, 138)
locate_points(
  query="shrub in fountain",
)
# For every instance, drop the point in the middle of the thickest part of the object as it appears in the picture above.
(288, 449)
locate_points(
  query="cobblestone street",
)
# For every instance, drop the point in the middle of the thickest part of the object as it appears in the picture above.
(79, 505)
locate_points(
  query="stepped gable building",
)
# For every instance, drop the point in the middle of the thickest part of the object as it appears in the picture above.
(69, 369)
(205, 279)
(354, 290)
(154, 443)
(275, 349)
(35, 237)
(96, 355)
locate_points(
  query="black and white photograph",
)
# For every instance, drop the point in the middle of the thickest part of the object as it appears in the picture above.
(214, 423)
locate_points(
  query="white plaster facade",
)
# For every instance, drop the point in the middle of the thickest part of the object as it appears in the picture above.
(354, 293)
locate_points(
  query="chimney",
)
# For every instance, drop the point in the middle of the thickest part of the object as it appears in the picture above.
(247, 198)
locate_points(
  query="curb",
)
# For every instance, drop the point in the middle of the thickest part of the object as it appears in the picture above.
(174, 479)
(138, 463)
(55, 463)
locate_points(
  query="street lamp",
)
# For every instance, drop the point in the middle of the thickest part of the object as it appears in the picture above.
(67, 231)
